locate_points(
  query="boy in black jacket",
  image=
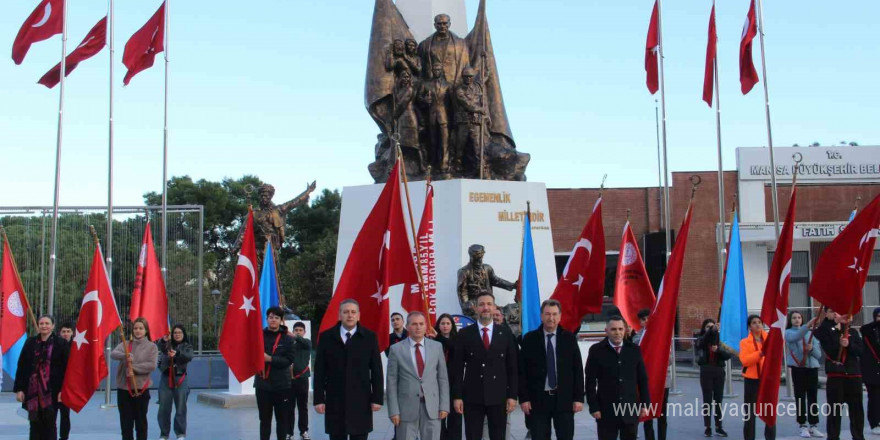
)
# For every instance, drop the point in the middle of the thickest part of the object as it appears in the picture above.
(273, 383)
(842, 367)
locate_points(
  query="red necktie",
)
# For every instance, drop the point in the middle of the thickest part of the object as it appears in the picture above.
(486, 338)
(617, 349)
(420, 361)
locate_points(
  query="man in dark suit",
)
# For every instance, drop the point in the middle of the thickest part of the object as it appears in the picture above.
(484, 373)
(551, 382)
(348, 376)
(616, 384)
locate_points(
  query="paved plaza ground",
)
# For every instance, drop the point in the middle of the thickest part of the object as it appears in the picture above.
(210, 423)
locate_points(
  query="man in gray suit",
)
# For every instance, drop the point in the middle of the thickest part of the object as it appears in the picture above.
(418, 387)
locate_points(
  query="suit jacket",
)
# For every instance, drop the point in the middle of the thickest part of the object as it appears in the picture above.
(405, 387)
(613, 378)
(533, 370)
(348, 380)
(480, 376)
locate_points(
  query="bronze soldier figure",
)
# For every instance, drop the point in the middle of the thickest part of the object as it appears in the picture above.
(434, 96)
(269, 219)
(475, 277)
(470, 114)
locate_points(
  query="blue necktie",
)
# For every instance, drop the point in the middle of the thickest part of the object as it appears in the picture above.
(551, 363)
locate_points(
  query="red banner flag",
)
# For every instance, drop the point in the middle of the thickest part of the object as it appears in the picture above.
(241, 342)
(582, 284)
(652, 49)
(658, 334)
(842, 268)
(632, 290)
(46, 20)
(142, 47)
(380, 257)
(748, 76)
(149, 299)
(773, 313)
(709, 75)
(98, 317)
(412, 300)
(94, 41)
(14, 305)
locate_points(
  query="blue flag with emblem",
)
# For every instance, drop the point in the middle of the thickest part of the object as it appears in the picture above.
(733, 303)
(528, 281)
(269, 293)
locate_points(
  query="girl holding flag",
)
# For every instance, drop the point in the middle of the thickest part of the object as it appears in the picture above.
(175, 352)
(803, 359)
(139, 359)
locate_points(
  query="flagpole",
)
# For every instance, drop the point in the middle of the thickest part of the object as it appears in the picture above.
(108, 347)
(165, 157)
(54, 240)
(767, 110)
(659, 163)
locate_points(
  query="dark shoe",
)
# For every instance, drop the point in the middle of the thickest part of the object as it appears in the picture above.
(720, 432)
(707, 432)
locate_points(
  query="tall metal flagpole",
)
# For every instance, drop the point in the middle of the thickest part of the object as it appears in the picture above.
(673, 388)
(659, 163)
(111, 23)
(54, 237)
(165, 157)
(769, 131)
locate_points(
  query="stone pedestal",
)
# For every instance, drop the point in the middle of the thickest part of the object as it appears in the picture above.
(466, 212)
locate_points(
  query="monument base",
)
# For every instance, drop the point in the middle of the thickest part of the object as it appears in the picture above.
(466, 212)
(223, 399)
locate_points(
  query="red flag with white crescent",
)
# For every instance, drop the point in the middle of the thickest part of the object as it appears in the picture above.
(93, 42)
(748, 75)
(241, 341)
(582, 285)
(773, 313)
(98, 318)
(142, 47)
(632, 291)
(412, 299)
(46, 20)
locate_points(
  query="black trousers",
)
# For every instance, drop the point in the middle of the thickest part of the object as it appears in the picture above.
(563, 421)
(806, 390)
(450, 427)
(269, 402)
(473, 421)
(848, 391)
(611, 428)
(43, 427)
(873, 405)
(349, 437)
(648, 425)
(750, 398)
(298, 402)
(712, 385)
(133, 414)
(64, 422)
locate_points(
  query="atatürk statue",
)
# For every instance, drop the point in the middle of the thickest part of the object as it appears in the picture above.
(269, 219)
(476, 277)
(459, 124)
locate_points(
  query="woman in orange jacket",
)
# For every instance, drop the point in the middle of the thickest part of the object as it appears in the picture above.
(751, 355)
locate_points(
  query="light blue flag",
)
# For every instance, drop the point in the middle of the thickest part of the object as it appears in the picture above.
(10, 358)
(529, 293)
(733, 305)
(852, 215)
(268, 283)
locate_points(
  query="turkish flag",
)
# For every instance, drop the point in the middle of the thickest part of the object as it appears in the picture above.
(241, 342)
(582, 284)
(843, 266)
(412, 299)
(632, 290)
(658, 334)
(14, 306)
(46, 20)
(773, 313)
(709, 75)
(748, 76)
(380, 257)
(148, 299)
(98, 317)
(652, 49)
(94, 41)
(142, 47)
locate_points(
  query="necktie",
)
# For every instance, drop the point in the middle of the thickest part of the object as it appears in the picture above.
(347, 338)
(551, 363)
(486, 338)
(420, 361)
(617, 349)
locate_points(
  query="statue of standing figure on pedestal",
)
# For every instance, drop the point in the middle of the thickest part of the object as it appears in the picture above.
(476, 277)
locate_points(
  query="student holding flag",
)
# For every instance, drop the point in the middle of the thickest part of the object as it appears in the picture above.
(751, 355)
(843, 349)
(139, 358)
(175, 353)
(712, 357)
(39, 377)
(274, 382)
(803, 359)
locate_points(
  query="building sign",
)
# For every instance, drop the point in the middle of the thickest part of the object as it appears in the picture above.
(818, 164)
(811, 231)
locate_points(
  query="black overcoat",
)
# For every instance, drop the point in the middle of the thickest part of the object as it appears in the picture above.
(616, 384)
